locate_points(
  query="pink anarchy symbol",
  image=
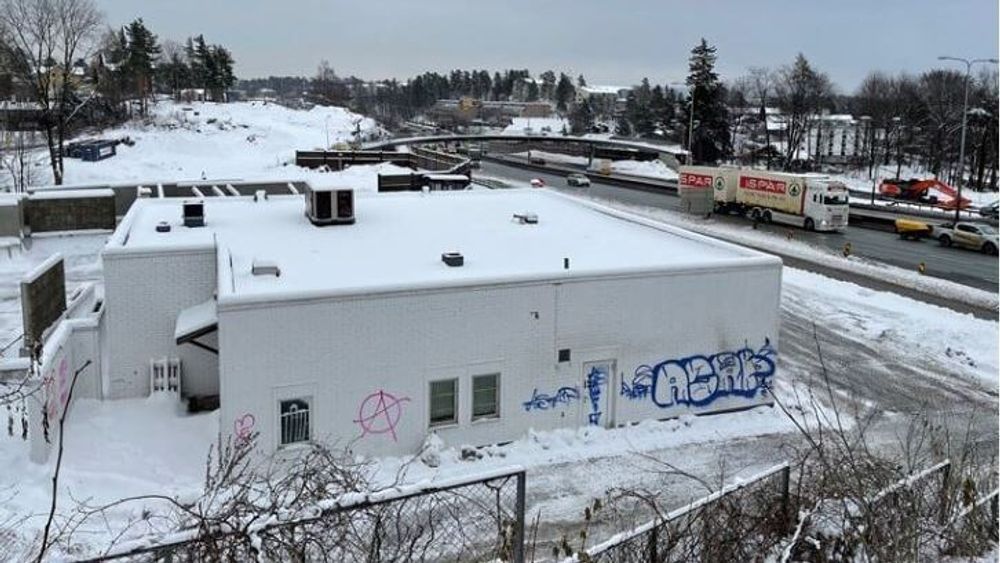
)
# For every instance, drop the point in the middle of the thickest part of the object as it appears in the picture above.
(379, 413)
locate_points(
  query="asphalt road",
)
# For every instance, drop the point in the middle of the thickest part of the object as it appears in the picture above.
(962, 266)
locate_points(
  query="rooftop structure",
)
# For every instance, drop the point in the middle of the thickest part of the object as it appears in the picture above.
(398, 240)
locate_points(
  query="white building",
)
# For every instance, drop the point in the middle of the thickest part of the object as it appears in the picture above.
(361, 335)
(604, 100)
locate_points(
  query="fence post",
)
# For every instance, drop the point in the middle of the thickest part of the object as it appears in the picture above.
(518, 552)
(786, 482)
(653, 533)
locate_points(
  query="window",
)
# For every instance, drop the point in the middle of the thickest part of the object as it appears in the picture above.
(444, 404)
(294, 421)
(564, 355)
(486, 396)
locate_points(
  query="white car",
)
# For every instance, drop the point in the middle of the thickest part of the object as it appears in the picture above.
(975, 236)
(537, 183)
(577, 179)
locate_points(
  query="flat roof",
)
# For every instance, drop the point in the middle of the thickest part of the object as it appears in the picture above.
(398, 238)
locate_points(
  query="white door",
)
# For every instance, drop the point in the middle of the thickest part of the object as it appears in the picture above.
(597, 384)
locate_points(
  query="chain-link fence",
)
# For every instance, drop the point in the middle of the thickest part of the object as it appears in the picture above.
(730, 524)
(480, 519)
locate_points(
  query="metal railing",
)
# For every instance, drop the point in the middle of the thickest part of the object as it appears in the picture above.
(472, 519)
(721, 526)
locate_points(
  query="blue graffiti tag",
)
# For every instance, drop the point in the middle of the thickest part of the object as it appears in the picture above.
(699, 380)
(541, 401)
(597, 377)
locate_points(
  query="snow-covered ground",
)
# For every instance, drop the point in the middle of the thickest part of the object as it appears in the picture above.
(649, 168)
(242, 140)
(545, 126)
(895, 354)
(907, 347)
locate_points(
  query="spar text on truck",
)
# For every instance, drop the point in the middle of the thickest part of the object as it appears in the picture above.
(810, 201)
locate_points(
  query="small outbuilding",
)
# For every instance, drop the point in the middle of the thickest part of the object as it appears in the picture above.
(475, 315)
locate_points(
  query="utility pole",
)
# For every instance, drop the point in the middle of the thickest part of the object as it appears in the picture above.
(965, 115)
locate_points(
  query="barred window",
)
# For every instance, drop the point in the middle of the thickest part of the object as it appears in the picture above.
(486, 396)
(444, 402)
(294, 420)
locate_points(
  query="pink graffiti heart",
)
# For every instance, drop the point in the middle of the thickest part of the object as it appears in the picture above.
(243, 427)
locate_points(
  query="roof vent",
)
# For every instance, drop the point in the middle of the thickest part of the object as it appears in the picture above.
(329, 206)
(265, 268)
(260, 195)
(526, 218)
(194, 214)
(163, 227)
(453, 259)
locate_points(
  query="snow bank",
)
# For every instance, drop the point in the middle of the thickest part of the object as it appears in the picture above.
(537, 126)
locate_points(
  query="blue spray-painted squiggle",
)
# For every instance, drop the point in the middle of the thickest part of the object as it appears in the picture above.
(542, 401)
(699, 380)
(597, 377)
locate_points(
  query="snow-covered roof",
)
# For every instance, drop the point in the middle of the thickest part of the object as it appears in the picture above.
(398, 239)
(599, 89)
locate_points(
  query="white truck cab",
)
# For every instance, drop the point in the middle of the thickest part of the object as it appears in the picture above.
(825, 207)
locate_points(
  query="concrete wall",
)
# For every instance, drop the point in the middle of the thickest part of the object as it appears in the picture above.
(43, 299)
(680, 343)
(70, 214)
(144, 293)
(11, 216)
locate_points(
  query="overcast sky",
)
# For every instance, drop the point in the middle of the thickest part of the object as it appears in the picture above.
(609, 42)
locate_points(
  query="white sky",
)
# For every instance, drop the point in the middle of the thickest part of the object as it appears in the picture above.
(609, 42)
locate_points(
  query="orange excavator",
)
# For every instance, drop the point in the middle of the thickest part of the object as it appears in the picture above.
(946, 197)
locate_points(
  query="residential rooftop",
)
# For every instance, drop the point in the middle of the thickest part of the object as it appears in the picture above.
(397, 241)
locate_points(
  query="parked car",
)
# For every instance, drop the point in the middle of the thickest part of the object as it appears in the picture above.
(537, 183)
(975, 236)
(577, 179)
(913, 229)
(990, 211)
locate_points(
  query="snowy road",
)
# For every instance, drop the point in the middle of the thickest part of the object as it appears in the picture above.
(962, 266)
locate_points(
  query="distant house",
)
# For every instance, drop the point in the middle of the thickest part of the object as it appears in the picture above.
(604, 100)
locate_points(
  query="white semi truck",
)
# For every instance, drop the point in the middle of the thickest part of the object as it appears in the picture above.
(810, 201)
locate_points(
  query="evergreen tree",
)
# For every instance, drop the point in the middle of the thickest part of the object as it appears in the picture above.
(581, 119)
(564, 92)
(710, 141)
(548, 90)
(581, 81)
(532, 94)
(141, 54)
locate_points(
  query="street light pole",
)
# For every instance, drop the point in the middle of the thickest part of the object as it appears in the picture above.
(691, 122)
(965, 115)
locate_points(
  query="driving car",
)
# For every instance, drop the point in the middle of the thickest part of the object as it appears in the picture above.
(537, 183)
(577, 179)
(990, 211)
(975, 236)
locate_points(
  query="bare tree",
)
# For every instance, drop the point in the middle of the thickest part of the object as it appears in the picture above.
(761, 84)
(800, 92)
(44, 39)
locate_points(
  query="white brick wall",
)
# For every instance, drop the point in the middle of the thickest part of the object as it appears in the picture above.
(341, 352)
(144, 293)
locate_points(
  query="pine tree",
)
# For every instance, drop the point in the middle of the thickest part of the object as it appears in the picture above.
(564, 92)
(710, 141)
(548, 90)
(141, 54)
(581, 119)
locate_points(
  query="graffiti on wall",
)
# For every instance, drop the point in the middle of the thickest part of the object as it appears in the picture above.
(57, 383)
(701, 379)
(379, 413)
(243, 427)
(543, 401)
(596, 378)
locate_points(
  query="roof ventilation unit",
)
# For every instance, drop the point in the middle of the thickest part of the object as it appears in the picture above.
(526, 218)
(260, 195)
(163, 227)
(194, 214)
(453, 259)
(330, 206)
(265, 268)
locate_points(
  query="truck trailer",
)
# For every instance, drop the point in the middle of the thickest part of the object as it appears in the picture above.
(810, 201)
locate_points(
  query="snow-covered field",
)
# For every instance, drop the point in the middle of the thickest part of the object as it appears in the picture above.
(892, 353)
(234, 141)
